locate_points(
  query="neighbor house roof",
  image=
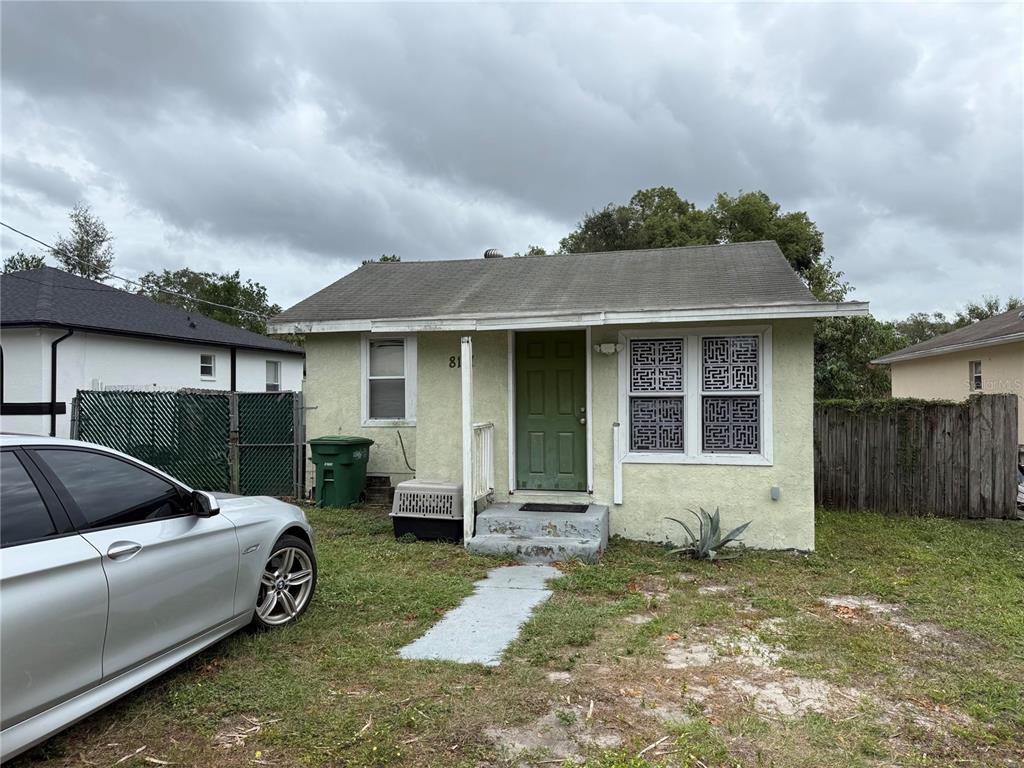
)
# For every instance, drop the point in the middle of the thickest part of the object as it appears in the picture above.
(52, 297)
(656, 285)
(998, 329)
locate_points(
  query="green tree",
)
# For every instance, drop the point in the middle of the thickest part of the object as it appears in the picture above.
(843, 350)
(172, 287)
(653, 218)
(986, 308)
(88, 249)
(532, 250)
(660, 218)
(22, 261)
(384, 259)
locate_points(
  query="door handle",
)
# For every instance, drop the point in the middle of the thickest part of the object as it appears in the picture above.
(122, 550)
(583, 419)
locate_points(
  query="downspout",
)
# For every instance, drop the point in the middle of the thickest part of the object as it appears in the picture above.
(53, 381)
(234, 370)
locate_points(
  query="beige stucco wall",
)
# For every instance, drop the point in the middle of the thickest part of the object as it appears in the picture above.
(947, 377)
(650, 491)
(332, 393)
(653, 491)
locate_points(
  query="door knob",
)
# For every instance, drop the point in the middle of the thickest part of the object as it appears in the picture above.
(583, 420)
(122, 550)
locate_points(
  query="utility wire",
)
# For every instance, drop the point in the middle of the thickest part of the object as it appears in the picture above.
(134, 282)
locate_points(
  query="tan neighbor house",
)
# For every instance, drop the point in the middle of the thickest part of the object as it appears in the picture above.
(638, 382)
(985, 357)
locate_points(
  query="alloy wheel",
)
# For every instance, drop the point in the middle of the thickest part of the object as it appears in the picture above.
(285, 586)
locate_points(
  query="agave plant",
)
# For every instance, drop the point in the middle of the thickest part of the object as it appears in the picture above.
(709, 542)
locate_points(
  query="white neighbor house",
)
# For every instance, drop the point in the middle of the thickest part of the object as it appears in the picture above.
(60, 333)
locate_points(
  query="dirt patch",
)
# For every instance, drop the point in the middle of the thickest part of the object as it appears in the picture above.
(716, 589)
(638, 618)
(745, 668)
(651, 587)
(566, 732)
(748, 649)
(559, 677)
(855, 608)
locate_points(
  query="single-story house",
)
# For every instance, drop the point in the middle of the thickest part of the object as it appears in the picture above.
(60, 333)
(649, 381)
(984, 357)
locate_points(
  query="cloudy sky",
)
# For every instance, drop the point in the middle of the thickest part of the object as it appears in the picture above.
(291, 142)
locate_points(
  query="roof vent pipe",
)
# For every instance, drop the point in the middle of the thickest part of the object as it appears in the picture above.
(493, 253)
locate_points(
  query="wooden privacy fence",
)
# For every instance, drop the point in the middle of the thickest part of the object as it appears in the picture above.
(918, 457)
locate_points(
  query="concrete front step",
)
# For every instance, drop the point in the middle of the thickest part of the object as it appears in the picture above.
(541, 536)
(536, 549)
(508, 519)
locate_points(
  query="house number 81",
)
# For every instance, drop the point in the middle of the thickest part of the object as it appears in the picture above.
(455, 361)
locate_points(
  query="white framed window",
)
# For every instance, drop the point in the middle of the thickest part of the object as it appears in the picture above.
(975, 375)
(389, 380)
(696, 397)
(207, 366)
(273, 376)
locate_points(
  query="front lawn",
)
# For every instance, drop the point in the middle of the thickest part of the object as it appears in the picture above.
(899, 642)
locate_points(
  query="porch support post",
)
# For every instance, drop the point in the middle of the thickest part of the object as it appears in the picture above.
(468, 502)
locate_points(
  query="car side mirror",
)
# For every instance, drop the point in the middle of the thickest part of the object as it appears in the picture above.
(205, 504)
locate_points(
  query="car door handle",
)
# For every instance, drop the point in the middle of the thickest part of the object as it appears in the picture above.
(122, 550)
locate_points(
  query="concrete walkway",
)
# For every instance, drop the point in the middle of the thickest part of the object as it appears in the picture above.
(480, 628)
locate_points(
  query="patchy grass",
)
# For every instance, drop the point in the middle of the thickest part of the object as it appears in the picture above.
(939, 681)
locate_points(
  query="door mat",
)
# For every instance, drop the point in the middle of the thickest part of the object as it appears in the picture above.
(558, 508)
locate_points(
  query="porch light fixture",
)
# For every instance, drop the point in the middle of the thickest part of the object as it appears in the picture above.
(608, 349)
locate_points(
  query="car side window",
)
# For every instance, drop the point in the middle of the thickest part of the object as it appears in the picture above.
(23, 515)
(109, 491)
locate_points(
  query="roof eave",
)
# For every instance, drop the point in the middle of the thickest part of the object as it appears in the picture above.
(291, 350)
(900, 357)
(529, 321)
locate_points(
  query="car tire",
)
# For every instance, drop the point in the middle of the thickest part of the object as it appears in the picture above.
(287, 584)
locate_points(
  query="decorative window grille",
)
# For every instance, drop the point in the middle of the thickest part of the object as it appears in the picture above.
(656, 394)
(731, 394)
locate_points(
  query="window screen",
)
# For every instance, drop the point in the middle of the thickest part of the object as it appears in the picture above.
(207, 366)
(273, 376)
(386, 379)
(976, 375)
(23, 516)
(109, 491)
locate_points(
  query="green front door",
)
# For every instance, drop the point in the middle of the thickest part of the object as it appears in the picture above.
(551, 399)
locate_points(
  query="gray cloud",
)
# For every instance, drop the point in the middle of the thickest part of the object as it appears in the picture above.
(51, 182)
(292, 141)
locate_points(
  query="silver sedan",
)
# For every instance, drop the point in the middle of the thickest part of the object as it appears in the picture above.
(112, 572)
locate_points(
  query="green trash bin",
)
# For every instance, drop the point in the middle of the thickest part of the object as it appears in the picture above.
(340, 463)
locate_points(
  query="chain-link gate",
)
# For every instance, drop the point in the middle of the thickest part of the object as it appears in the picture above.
(240, 442)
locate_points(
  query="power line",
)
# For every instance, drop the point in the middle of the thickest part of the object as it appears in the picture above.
(134, 282)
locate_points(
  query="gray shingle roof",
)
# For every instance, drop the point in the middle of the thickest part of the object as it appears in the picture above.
(694, 277)
(52, 297)
(998, 329)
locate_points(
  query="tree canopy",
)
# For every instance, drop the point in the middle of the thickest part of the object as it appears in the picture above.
(843, 347)
(660, 218)
(21, 261)
(87, 250)
(228, 289)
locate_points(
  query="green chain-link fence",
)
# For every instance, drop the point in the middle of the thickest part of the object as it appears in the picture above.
(239, 442)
